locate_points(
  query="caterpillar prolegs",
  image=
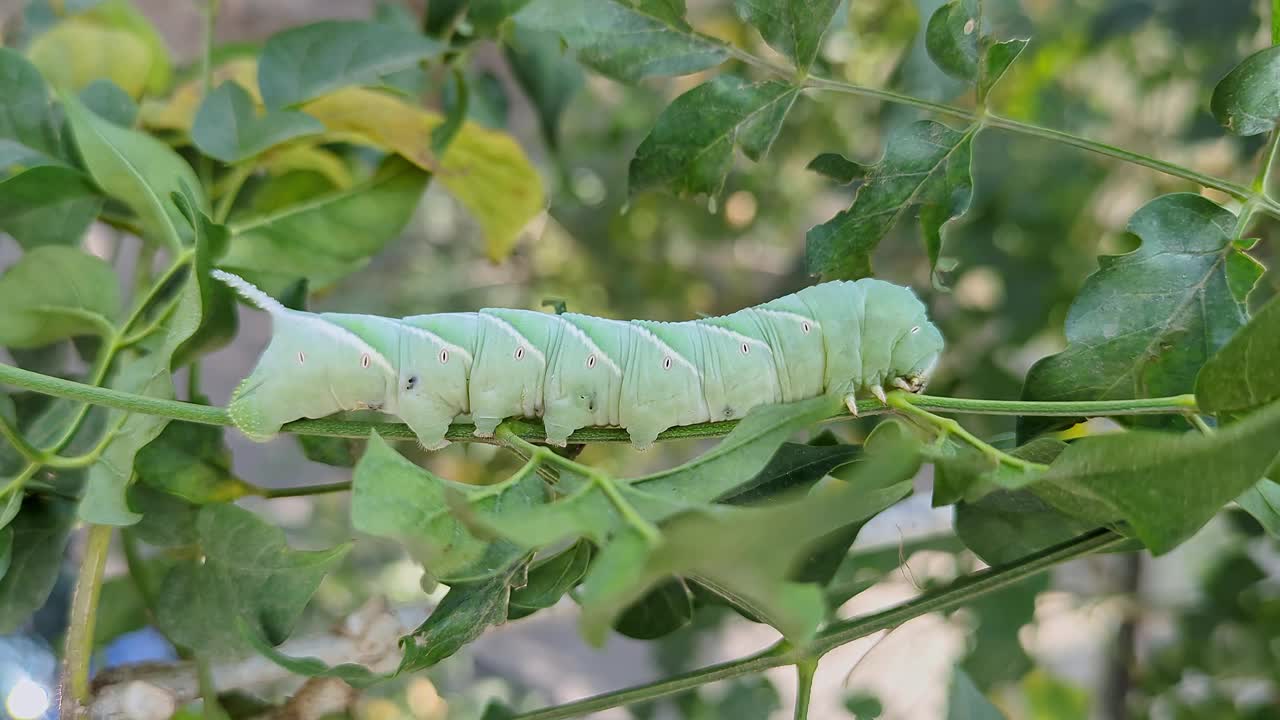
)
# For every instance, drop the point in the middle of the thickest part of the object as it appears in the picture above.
(576, 371)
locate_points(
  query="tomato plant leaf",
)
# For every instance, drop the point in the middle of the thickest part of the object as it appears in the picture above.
(392, 497)
(41, 530)
(48, 205)
(839, 168)
(951, 38)
(1247, 100)
(228, 128)
(1244, 375)
(192, 462)
(354, 674)
(1156, 481)
(1145, 322)
(38, 312)
(486, 170)
(690, 148)
(792, 27)
(1006, 525)
(550, 79)
(28, 132)
(925, 164)
(667, 607)
(996, 59)
(246, 574)
(750, 553)
(626, 40)
(1262, 501)
(110, 102)
(327, 237)
(966, 702)
(549, 579)
(466, 611)
(136, 169)
(306, 62)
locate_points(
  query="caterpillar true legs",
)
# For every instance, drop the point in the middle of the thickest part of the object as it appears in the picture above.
(575, 371)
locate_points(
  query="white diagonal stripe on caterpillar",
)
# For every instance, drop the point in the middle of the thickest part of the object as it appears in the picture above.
(737, 336)
(794, 317)
(510, 329)
(343, 336)
(577, 333)
(665, 348)
(436, 339)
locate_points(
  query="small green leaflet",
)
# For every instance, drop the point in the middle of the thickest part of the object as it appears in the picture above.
(627, 40)
(1247, 100)
(1145, 322)
(956, 43)
(926, 164)
(793, 27)
(1244, 374)
(305, 62)
(227, 126)
(38, 312)
(690, 149)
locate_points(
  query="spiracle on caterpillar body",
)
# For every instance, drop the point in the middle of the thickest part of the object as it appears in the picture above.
(574, 371)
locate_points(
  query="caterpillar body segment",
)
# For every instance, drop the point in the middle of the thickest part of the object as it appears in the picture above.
(574, 371)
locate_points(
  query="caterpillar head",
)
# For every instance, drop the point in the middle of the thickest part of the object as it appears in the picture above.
(915, 356)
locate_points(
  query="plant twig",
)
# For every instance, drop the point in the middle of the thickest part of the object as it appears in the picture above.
(78, 649)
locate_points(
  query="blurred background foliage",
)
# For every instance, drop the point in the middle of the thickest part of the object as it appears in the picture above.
(1190, 635)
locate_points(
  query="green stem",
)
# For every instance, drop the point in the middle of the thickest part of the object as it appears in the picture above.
(805, 670)
(1016, 126)
(1262, 180)
(304, 490)
(1199, 424)
(239, 175)
(959, 593)
(946, 426)
(532, 431)
(78, 649)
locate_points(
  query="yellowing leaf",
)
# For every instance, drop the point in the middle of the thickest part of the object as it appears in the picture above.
(76, 51)
(486, 170)
(179, 111)
(308, 158)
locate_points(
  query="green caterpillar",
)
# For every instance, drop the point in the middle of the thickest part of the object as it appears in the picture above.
(576, 371)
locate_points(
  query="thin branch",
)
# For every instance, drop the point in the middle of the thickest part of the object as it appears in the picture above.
(78, 649)
(959, 593)
(532, 431)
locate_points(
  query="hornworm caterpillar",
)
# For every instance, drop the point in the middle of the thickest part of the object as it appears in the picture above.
(576, 371)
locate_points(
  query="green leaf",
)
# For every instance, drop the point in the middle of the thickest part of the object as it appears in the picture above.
(964, 473)
(105, 500)
(627, 39)
(40, 534)
(839, 168)
(28, 132)
(863, 568)
(966, 702)
(246, 574)
(1156, 481)
(666, 608)
(354, 674)
(550, 578)
(38, 311)
(1145, 322)
(1262, 501)
(76, 51)
(392, 497)
(330, 236)
(136, 169)
(48, 205)
(1007, 525)
(1244, 375)
(1247, 100)
(737, 459)
(795, 466)
(996, 59)
(227, 126)
(485, 170)
(192, 462)
(549, 78)
(792, 27)
(925, 164)
(690, 148)
(995, 657)
(109, 102)
(488, 15)
(339, 452)
(951, 39)
(305, 62)
(167, 521)
(748, 554)
(464, 613)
